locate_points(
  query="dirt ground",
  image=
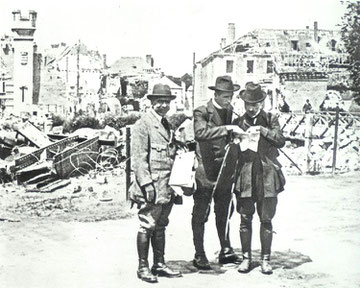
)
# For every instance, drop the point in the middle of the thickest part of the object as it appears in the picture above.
(86, 238)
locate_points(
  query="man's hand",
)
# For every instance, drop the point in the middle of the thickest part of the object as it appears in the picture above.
(149, 193)
(236, 130)
(263, 131)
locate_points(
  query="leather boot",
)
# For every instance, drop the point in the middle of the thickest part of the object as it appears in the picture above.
(200, 260)
(265, 264)
(266, 235)
(228, 255)
(266, 240)
(143, 271)
(159, 268)
(245, 238)
(245, 265)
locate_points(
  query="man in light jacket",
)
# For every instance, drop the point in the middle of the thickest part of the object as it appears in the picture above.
(153, 153)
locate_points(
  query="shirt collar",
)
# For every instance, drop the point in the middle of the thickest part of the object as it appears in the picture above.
(156, 115)
(216, 105)
(256, 115)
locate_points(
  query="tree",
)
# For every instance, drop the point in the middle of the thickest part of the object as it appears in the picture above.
(350, 32)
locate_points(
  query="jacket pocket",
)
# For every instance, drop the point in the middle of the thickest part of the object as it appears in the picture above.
(274, 179)
(243, 183)
(159, 153)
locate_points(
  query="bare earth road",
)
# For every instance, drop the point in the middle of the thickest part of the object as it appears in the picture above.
(317, 244)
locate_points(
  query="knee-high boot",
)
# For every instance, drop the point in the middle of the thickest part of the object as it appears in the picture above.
(266, 240)
(158, 244)
(245, 238)
(143, 272)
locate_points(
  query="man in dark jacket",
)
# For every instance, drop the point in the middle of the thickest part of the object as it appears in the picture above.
(153, 154)
(259, 177)
(211, 128)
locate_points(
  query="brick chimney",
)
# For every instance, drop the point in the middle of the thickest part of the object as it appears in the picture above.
(231, 33)
(316, 31)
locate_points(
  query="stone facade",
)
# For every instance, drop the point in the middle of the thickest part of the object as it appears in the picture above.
(267, 56)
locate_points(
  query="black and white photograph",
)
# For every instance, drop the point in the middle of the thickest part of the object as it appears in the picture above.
(192, 143)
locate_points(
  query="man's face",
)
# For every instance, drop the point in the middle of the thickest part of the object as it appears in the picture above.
(161, 105)
(223, 98)
(253, 109)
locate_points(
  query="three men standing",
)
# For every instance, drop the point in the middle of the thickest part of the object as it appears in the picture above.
(211, 128)
(153, 153)
(259, 177)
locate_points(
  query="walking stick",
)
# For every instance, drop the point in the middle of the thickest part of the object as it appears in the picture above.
(222, 167)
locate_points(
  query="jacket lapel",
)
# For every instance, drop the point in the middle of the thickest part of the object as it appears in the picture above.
(159, 127)
(215, 117)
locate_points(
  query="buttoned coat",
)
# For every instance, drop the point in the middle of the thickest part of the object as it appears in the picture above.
(212, 137)
(273, 178)
(152, 157)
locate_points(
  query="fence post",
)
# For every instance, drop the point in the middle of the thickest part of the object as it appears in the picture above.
(308, 139)
(335, 139)
(128, 161)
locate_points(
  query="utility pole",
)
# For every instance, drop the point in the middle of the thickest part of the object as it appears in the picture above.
(78, 73)
(335, 139)
(193, 83)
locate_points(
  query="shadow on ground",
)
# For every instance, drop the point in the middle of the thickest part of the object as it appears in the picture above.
(279, 259)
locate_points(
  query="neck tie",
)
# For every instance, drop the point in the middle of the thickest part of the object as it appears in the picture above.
(165, 123)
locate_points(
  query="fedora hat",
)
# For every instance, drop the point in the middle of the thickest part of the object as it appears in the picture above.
(252, 93)
(225, 84)
(161, 90)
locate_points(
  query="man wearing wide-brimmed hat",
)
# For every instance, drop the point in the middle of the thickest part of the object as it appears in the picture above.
(152, 157)
(259, 176)
(212, 132)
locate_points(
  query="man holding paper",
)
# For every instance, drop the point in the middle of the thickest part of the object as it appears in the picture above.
(259, 177)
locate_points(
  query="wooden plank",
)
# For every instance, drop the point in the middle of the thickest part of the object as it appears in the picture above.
(50, 187)
(33, 134)
(51, 150)
(81, 139)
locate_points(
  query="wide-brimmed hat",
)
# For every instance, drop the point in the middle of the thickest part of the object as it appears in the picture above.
(224, 84)
(252, 93)
(161, 90)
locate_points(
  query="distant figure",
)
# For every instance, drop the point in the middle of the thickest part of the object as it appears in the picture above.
(284, 106)
(307, 106)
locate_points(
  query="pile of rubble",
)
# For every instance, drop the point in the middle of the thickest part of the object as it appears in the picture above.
(46, 174)
(318, 158)
(44, 162)
(93, 197)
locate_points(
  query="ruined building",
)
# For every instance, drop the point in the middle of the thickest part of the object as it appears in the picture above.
(297, 64)
(71, 78)
(19, 65)
(62, 79)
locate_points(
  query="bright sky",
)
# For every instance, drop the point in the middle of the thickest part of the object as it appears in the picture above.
(169, 30)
